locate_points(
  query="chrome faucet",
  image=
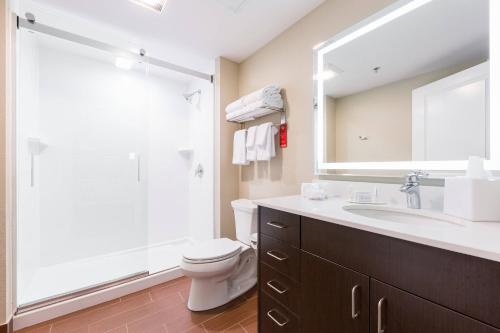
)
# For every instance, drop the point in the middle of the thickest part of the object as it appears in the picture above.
(412, 189)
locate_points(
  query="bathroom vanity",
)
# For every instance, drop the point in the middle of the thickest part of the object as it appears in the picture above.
(325, 269)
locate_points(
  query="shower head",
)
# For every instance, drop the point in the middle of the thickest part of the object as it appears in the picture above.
(189, 96)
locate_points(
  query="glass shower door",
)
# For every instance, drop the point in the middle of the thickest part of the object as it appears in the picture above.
(81, 217)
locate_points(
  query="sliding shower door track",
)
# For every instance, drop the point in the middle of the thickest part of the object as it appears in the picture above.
(23, 308)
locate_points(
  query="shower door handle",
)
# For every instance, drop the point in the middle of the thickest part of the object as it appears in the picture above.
(32, 170)
(137, 158)
(138, 168)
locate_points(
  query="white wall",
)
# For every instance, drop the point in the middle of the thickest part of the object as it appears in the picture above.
(201, 199)
(168, 171)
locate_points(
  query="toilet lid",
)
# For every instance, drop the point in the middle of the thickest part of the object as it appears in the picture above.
(213, 250)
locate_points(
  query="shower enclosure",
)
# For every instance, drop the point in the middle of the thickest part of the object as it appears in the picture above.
(106, 152)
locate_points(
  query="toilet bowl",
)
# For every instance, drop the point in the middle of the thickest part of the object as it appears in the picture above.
(223, 269)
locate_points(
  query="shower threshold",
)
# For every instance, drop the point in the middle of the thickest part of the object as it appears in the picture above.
(81, 292)
(57, 283)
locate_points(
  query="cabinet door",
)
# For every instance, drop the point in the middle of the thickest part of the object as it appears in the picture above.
(333, 298)
(396, 311)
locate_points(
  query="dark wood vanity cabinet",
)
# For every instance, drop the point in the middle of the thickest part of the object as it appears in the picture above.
(317, 276)
(334, 299)
(393, 310)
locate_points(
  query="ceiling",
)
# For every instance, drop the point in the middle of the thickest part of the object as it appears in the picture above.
(234, 29)
(440, 34)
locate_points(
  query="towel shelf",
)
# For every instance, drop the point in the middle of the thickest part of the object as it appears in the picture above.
(250, 116)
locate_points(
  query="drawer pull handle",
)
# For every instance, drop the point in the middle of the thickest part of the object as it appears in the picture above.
(275, 285)
(277, 256)
(273, 318)
(276, 225)
(354, 301)
(380, 316)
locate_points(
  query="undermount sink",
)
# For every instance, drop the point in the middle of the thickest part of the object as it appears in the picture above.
(403, 215)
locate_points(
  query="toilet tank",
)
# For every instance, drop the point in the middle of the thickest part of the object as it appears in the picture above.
(245, 217)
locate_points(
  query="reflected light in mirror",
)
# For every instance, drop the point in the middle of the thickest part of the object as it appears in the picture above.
(325, 75)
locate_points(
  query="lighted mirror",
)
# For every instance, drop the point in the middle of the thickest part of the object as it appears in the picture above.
(408, 88)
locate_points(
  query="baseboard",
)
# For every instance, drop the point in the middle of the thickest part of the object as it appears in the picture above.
(7, 328)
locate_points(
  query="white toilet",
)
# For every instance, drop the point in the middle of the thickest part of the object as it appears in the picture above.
(223, 269)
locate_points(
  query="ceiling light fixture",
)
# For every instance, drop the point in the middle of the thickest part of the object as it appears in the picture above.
(156, 5)
(124, 63)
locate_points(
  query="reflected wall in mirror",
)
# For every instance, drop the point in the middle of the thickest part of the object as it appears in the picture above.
(410, 84)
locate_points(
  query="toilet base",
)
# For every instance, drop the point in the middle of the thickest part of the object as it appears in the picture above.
(206, 294)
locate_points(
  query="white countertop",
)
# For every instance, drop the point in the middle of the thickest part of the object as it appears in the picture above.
(479, 239)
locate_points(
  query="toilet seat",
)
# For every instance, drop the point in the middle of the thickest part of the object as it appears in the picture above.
(212, 251)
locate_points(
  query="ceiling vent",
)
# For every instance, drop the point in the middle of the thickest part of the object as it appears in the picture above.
(232, 5)
(156, 5)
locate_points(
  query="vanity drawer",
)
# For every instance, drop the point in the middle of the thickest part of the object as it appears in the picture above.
(274, 318)
(280, 225)
(280, 256)
(280, 287)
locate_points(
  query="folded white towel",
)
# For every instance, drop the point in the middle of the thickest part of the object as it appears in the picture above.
(274, 102)
(234, 106)
(269, 96)
(261, 94)
(265, 143)
(251, 148)
(239, 148)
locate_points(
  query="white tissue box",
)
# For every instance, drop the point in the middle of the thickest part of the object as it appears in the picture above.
(472, 199)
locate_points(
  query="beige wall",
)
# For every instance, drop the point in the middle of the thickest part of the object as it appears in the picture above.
(226, 183)
(288, 61)
(3, 235)
(5, 229)
(382, 114)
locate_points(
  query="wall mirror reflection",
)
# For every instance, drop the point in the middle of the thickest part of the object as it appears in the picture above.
(408, 88)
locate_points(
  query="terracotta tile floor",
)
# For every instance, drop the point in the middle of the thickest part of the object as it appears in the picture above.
(161, 309)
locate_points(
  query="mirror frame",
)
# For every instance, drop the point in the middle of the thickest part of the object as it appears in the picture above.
(435, 168)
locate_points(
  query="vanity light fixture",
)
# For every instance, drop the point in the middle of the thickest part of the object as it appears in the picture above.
(156, 5)
(124, 63)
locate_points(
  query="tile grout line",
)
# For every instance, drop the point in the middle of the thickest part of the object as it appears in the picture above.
(182, 297)
(122, 312)
(118, 300)
(244, 329)
(91, 312)
(143, 317)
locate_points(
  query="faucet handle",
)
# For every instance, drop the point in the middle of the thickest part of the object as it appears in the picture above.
(415, 176)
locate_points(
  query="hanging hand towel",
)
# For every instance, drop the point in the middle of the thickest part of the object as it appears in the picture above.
(239, 148)
(265, 143)
(251, 148)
